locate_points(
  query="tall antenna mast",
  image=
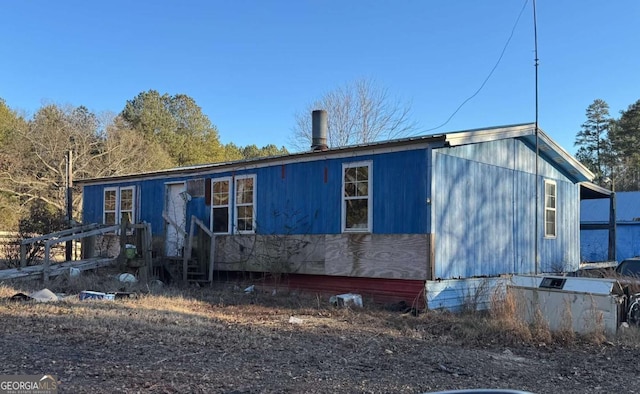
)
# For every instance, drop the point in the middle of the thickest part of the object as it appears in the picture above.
(536, 63)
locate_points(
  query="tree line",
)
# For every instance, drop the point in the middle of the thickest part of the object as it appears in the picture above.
(610, 147)
(153, 131)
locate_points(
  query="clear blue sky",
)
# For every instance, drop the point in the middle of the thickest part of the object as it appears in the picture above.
(251, 65)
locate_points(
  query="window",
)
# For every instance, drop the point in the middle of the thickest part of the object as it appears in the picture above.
(356, 197)
(550, 209)
(110, 198)
(220, 203)
(245, 193)
(119, 202)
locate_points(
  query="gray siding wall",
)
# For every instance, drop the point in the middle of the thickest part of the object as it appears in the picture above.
(483, 201)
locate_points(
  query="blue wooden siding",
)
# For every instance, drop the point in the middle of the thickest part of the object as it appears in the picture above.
(304, 197)
(483, 212)
(297, 199)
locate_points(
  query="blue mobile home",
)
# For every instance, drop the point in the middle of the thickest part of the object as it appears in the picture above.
(380, 218)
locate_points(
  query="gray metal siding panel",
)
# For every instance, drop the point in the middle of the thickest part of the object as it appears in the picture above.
(511, 153)
(562, 253)
(473, 218)
(484, 218)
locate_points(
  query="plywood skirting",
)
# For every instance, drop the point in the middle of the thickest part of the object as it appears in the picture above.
(392, 256)
(271, 253)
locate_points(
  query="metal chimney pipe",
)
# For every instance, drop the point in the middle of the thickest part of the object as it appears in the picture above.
(319, 130)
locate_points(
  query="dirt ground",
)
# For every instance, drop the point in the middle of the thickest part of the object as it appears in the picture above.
(221, 340)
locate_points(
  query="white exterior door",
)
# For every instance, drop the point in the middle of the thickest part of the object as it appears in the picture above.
(175, 207)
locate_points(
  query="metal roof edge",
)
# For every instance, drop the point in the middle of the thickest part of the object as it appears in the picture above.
(454, 138)
(596, 189)
(581, 168)
(390, 145)
(465, 137)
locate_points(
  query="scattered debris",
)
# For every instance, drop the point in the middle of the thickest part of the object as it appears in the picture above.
(122, 295)
(127, 278)
(346, 300)
(295, 320)
(250, 289)
(96, 295)
(20, 297)
(156, 283)
(74, 272)
(130, 251)
(44, 295)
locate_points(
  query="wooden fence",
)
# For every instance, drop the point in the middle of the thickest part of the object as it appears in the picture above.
(10, 248)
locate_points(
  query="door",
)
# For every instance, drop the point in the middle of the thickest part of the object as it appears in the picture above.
(175, 207)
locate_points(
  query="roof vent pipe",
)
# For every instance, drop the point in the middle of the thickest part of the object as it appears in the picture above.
(319, 130)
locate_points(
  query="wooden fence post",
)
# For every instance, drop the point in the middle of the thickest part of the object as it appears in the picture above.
(23, 255)
(47, 262)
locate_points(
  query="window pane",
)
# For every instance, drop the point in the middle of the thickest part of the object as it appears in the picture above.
(363, 189)
(245, 212)
(550, 223)
(357, 214)
(550, 230)
(363, 173)
(550, 216)
(244, 225)
(110, 218)
(248, 198)
(350, 189)
(551, 189)
(245, 218)
(221, 199)
(127, 216)
(110, 200)
(350, 174)
(126, 199)
(221, 220)
(244, 192)
(221, 187)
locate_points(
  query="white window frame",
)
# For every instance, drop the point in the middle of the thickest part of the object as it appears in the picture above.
(229, 204)
(114, 211)
(369, 227)
(550, 209)
(118, 208)
(237, 205)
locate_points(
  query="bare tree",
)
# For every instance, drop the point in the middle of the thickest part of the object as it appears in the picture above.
(32, 157)
(358, 112)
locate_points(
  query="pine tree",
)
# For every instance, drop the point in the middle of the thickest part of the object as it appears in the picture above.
(625, 140)
(592, 139)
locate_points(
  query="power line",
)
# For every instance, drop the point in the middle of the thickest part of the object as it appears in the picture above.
(504, 49)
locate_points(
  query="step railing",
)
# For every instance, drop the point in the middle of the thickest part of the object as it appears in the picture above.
(187, 254)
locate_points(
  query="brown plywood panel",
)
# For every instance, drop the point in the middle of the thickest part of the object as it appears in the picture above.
(394, 256)
(303, 254)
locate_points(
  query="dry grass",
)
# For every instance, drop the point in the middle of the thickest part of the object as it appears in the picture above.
(221, 339)
(228, 304)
